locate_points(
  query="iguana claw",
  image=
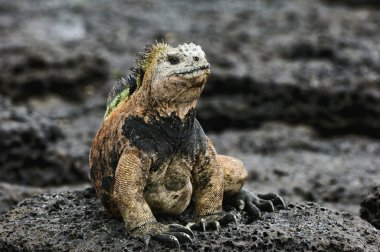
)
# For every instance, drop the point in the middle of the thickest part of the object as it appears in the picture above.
(212, 222)
(172, 235)
(254, 204)
(277, 201)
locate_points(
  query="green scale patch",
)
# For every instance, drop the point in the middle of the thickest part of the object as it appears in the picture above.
(119, 92)
(124, 88)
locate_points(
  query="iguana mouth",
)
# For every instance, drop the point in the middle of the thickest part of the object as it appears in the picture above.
(192, 71)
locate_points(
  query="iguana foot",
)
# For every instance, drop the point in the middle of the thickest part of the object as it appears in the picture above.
(212, 221)
(172, 235)
(254, 204)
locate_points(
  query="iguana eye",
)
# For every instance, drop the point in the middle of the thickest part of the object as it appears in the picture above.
(174, 60)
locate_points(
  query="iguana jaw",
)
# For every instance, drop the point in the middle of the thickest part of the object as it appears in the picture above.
(189, 73)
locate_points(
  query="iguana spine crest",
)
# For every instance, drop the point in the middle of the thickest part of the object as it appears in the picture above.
(124, 88)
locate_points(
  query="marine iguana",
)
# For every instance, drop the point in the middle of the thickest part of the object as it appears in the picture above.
(151, 156)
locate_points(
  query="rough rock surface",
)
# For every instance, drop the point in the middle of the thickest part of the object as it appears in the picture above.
(11, 194)
(74, 221)
(33, 151)
(370, 207)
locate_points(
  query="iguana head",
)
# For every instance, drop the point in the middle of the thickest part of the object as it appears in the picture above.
(171, 75)
(185, 63)
(180, 74)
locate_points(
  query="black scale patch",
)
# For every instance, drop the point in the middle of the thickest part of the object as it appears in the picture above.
(107, 183)
(166, 136)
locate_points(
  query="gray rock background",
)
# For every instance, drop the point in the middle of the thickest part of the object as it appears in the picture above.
(294, 91)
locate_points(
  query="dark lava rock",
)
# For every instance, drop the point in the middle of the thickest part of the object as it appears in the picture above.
(75, 221)
(11, 194)
(370, 207)
(299, 164)
(356, 3)
(36, 70)
(32, 151)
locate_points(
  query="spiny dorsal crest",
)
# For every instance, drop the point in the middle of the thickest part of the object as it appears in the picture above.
(124, 88)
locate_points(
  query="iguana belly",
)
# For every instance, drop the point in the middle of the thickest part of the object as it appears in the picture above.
(162, 199)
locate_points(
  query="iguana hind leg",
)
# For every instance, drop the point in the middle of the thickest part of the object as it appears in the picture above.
(235, 175)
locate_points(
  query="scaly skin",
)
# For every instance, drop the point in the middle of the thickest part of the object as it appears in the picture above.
(151, 156)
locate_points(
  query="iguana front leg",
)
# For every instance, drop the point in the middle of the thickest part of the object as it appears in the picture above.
(209, 188)
(131, 176)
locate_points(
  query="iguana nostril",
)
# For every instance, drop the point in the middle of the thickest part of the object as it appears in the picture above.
(196, 58)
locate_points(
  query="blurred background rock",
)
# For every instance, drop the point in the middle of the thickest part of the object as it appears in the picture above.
(294, 90)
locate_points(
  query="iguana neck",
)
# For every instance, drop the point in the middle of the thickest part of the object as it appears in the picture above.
(152, 108)
(163, 109)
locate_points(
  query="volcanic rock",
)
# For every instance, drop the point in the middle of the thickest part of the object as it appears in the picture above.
(75, 221)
